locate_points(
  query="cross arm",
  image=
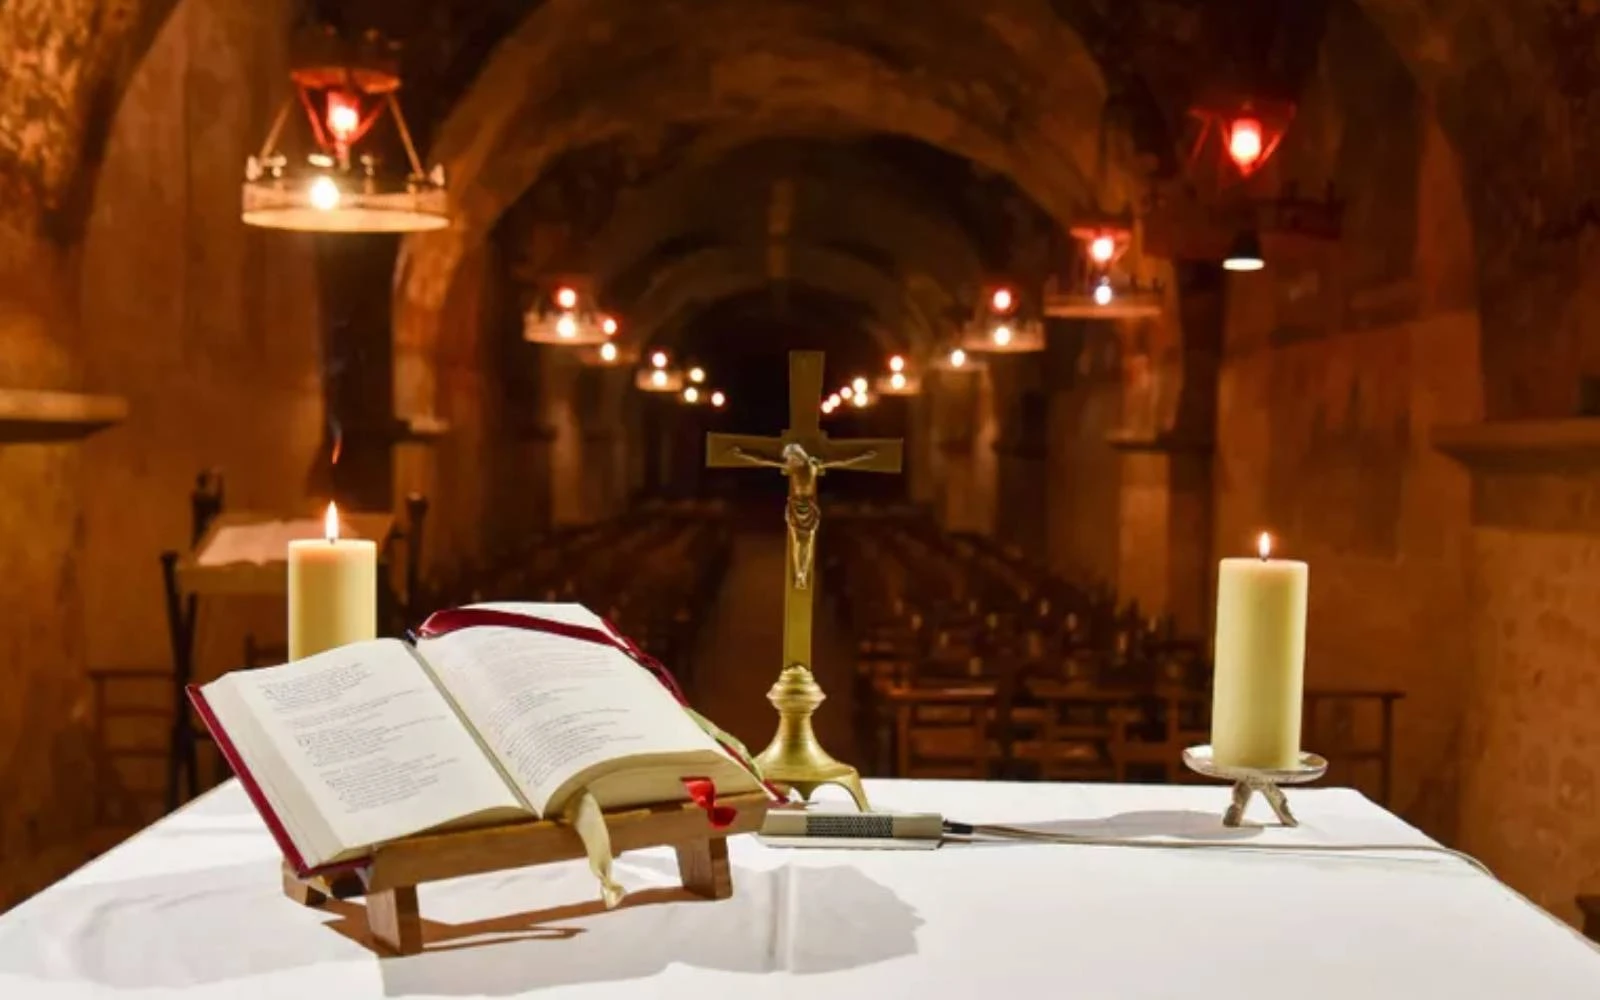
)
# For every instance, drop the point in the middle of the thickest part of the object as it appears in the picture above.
(722, 450)
(863, 454)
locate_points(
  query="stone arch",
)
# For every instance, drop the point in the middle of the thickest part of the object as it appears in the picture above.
(707, 276)
(838, 200)
(1022, 99)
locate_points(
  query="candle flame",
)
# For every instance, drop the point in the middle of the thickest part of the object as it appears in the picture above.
(1264, 545)
(330, 523)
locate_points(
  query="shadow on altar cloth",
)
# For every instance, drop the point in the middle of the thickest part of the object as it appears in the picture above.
(232, 923)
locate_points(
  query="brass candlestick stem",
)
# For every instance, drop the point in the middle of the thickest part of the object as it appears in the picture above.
(794, 759)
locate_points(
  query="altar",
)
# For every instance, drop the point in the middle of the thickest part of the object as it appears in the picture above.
(192, 907)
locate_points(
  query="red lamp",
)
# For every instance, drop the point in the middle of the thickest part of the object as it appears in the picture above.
(1249, 131)
(1245, 145)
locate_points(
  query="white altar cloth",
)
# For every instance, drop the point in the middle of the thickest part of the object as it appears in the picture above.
(192, 907)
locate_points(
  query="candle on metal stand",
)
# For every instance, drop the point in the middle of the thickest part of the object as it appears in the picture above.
(333, 590)
(1260, 660)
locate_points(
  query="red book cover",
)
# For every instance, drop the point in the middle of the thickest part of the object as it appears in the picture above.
(275, 826)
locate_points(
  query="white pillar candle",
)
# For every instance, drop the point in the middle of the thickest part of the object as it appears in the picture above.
(333, 591)
(1260, 661)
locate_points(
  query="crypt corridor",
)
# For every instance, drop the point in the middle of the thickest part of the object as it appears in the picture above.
(1408, 398)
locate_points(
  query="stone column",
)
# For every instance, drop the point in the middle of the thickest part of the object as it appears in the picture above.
(963, 444)
(1019, 452)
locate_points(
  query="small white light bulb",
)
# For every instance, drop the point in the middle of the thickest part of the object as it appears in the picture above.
(658, 378)
(958, 357)
(691, 395)
(1103, 294)
(897, 380)
(1002, 335)
(608, 353)
(717, 398)
(897, 364)
(846, 392)
(566, 327)
(659, 359)
(324, 194)
(697, 375)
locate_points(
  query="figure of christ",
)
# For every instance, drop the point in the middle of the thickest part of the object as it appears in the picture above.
(802, 513)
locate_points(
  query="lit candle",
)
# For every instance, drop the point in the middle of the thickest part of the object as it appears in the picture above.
(1260, 661)
(333, 590)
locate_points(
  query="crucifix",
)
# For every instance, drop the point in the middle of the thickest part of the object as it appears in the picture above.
(803, 453)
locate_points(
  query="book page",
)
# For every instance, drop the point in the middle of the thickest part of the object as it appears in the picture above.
(551, 707)
(261, 544)
(375, 746)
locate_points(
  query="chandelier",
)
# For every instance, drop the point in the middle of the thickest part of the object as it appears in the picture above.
(899, 380)
(1090, 285)
(609, 355)
(341, 186)
(957, 361)
(659, 376)
(1003, 323)
(567, 315)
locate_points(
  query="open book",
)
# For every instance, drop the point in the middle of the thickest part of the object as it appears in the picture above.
(381, 740)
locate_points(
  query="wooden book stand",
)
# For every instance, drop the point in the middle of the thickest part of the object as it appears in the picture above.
(399, 867)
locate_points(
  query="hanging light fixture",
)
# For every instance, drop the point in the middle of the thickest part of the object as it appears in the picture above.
(609, 355)
(1248, 131)
(958, 361)
(898, 384)
(659, 376)
(1245, 252)
(1003, 322)
(565, 313)
(340, 184)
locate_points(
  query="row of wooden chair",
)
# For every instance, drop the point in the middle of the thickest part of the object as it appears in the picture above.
(973, 661)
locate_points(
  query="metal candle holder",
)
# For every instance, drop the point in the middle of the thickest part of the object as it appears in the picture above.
(1249, 780)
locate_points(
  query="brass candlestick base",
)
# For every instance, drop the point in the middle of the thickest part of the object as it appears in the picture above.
(794, 759)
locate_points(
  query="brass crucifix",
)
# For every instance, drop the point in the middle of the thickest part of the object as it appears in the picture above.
(794, 758)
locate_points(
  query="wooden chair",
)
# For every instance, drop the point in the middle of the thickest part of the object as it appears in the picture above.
(1334, 728)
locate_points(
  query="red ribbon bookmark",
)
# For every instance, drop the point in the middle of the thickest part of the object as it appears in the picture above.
(703, 793)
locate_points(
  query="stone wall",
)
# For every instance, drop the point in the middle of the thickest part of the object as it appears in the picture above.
(151, 290)
(212, 330)
(1337, 363)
